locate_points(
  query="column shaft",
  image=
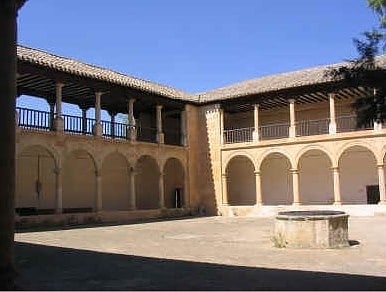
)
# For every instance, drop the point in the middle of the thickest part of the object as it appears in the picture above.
(224, 190)
(259, 197)
(160, 134)
(131, 130)
(336, 181)
(59, 191)
(295, 186)
(98, 197)
(161, 191)
(183, 128)
(256, 137)
(98, 131)
(292, 128)
(332, 125)
(84, 120)
(381, 181)
(59, 123)
(132, 197)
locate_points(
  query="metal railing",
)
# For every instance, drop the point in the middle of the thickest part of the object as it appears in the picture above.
(349, 124)
(312, 127)
(238, 135)
(34, 119)
(274, 131)
(43, 120)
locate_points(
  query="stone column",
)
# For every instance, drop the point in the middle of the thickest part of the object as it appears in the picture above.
(112, 124)
(222, 114)
(336, 182)
(97, 129)
(183, 128)
(381, 182)
(332, 125)
(84, 120)
(59, 122)
(256, 137)
(131, 129)
(259, 198)
(295, 186)
(98, 197)
(160, 134)
(59, 190)
(292, 127)
(52, 114)
(161, 189)
(224, 189)
(132, 197)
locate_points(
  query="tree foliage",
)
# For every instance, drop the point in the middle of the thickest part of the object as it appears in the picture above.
(366, 72)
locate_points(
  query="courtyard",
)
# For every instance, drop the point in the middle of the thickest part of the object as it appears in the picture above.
(202, 253)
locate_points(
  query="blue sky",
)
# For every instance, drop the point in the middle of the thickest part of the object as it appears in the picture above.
(197, 45)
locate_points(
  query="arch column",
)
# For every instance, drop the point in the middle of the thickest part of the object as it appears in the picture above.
(336, 182)
(292, 127)
(224, 189)
(59, 190)
(132, 196)
(131, 129)
(161, 187)
(259, 197)
(98, 195)
(332, 124)
(381, 180)
(295, 186)
(255, 134)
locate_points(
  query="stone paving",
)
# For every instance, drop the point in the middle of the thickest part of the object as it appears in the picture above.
(206, 253)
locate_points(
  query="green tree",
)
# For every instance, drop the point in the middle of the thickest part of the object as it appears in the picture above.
(366, 72)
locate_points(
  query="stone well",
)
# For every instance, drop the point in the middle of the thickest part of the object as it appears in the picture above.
(311, 229)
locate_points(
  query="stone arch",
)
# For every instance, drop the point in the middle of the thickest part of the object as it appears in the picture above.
(316, 184)
(276, 180)
(147, 182)
(241, 183)
(35, 180)
(240, 153)
(115, 182)
(174, 183)
(51, 150)
(362, 144)
(79, 181)
(270, 151)
(89, 150)
(320, 148)
(358, 173)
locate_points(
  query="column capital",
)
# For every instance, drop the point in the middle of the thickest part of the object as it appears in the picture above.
(98, 173)
(291, 100)
(159, 106)
(59, 84)
(256, 105)
(294, 170)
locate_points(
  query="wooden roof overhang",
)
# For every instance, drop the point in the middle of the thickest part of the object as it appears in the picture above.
(40, 81)
(307, 94)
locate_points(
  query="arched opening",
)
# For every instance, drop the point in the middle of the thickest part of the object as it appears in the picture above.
(276, 180)
(115, 182)
(147, 183)
(358, 175)
(316, 184)
(79, 182)
(241, 183)
(174, 183)
(35, 182)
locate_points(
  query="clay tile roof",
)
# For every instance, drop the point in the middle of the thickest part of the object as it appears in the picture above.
(304, 77)
(75, 67)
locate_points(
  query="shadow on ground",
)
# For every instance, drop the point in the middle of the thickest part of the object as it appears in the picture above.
(43, 267)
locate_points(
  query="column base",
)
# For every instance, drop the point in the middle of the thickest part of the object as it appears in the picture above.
(382, 203)
(97, 130)
(292, 132)
(59, 124)
(296, 204)
(132, 208)
(337, 203)
(332, 128)
(160, 138)
(255, 136)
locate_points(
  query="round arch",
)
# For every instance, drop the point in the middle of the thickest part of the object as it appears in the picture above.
(317, 148)
(147, 182)
(79, 181)
(358, 174)
(35, 181)
(174, 183)
(241, 183)
(276, 180)
(316, 184)
(240, 154)
(275, 151)
(115, 182)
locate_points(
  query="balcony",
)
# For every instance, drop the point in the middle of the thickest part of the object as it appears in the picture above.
(43, 121)
(303, 128)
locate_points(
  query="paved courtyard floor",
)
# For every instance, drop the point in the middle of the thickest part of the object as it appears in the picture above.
(207, 253)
